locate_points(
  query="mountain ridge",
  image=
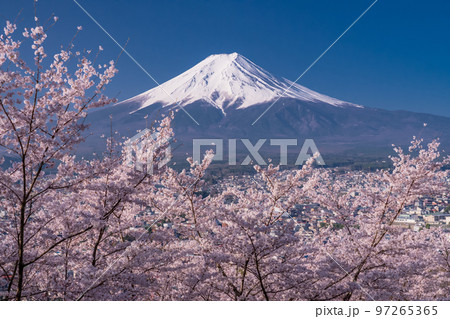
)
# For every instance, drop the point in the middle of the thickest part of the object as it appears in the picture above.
(204, 93)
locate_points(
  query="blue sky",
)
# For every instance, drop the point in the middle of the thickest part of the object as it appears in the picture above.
(396, 57)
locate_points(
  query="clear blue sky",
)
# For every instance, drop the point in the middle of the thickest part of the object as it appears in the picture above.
(396, 57)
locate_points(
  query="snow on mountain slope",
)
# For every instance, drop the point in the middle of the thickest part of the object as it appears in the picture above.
(224, 80)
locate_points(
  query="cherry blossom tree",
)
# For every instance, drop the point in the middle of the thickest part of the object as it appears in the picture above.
(105, 229)
(42, 108)
(255, 252)
(369, 257)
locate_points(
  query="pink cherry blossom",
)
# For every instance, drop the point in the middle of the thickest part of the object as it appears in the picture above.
(100, 229)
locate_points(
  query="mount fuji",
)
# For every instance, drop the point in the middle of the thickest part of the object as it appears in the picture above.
(226, 80)
(223, 96)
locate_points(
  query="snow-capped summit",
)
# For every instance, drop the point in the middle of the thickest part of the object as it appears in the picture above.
(223, 80)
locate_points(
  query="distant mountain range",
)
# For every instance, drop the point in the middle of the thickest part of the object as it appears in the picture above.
(226, 93)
